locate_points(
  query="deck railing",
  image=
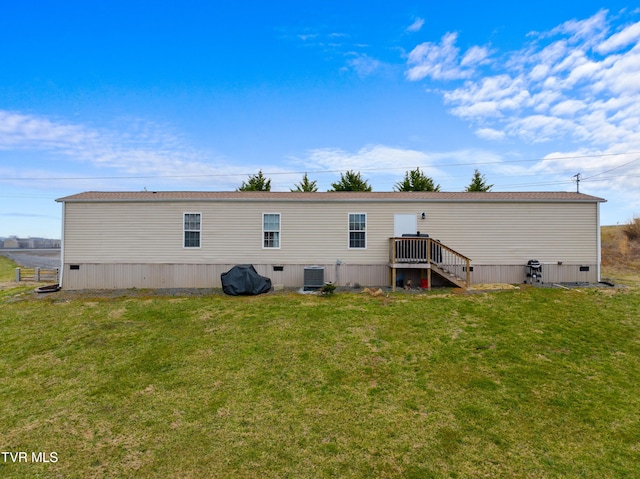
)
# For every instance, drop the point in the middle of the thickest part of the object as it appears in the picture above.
(429, 251)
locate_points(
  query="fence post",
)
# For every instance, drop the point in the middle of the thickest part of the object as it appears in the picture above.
(36, 274)
(17, 275)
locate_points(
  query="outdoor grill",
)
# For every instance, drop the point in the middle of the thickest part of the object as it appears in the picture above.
(534, 272)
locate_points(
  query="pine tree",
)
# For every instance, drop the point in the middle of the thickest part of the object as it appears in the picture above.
(351, 181)
(256, 183)
(478, 183)
(306, 186)
(415, 180)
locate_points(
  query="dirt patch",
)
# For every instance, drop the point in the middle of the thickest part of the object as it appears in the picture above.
(492, 287)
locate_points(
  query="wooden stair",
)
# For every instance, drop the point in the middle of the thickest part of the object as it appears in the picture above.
(449, 276)
(431, 255)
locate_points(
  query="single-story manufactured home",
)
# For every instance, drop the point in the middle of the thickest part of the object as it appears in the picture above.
(174, 239)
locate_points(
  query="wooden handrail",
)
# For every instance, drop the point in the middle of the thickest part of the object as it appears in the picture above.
(417, 250)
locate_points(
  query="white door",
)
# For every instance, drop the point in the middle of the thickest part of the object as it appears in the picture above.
(404, 224)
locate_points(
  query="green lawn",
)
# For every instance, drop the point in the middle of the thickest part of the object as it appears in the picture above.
(535, 383)
(7, 269)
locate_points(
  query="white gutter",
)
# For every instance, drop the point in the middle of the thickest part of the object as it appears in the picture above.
(599, 237)
(62, 246)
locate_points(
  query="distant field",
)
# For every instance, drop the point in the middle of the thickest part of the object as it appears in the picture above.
(40, 258)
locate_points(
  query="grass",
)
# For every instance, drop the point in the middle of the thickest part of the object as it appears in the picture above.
(7, 269)
(529, 383)
(620, 254)
(632, 229)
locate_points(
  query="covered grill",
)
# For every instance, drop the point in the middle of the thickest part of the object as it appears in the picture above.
(534, 272)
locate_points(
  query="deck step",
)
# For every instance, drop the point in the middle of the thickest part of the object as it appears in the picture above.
(434, 255)
(449, 276)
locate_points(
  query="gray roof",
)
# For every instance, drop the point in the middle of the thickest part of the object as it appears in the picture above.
(145, 196)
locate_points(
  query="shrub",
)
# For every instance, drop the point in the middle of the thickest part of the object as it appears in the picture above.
(328, 288)
(632, 229)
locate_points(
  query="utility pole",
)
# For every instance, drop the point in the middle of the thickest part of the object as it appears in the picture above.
(578, 177)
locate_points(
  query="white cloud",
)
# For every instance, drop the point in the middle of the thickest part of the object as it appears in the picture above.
(626, 37)
(136, 148)
(593, 165)
(475, 56)
(485, 109)
(363, 64)
(369, 157)
(439, 62)
(539, 72)
(307, 36)
(619, 74)
(384, 165)
(489, 97)
(539, 128)
(443, 62)
(589, 31)
(381, 165)
(25, 131)
(583, 72)
(548, 55)
(576, 83)
(568, 107)
(416, 26)
(490, 134)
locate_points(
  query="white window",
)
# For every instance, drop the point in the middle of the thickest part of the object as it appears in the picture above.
(357, 230)
(192, 229)
(271, 230)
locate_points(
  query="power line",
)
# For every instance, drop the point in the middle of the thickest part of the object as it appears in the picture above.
(562, 182)
(497, 186)
(27, 196)
(606, 178)
(279, 173)
(578, 177)
(611, 169)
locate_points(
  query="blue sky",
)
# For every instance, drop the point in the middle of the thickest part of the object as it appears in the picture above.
(199, 95)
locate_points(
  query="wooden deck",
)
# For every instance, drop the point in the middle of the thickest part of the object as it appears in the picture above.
(430, 256)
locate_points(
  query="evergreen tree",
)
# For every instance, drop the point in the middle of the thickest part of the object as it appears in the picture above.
(351, 181)
(478, 183)
(306, 186)
(256, 183)
(415, 180)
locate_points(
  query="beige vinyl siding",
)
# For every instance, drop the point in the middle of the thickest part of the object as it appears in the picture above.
(488, 233)
(513, 233)
(231, 233)
(119, 276)
(124, 275)
(551, 273)
(121, 244)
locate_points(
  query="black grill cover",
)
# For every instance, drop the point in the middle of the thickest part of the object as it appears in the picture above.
(243, 279)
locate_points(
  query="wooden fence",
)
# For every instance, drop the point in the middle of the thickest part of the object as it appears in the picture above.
(38, 275)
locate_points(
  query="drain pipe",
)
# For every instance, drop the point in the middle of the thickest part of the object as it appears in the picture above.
(338, 263)
(62, 227)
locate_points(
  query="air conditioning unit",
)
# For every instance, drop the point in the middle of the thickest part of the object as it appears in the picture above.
(313, 277)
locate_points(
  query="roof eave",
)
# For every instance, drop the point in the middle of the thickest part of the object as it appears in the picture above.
(335, 199)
